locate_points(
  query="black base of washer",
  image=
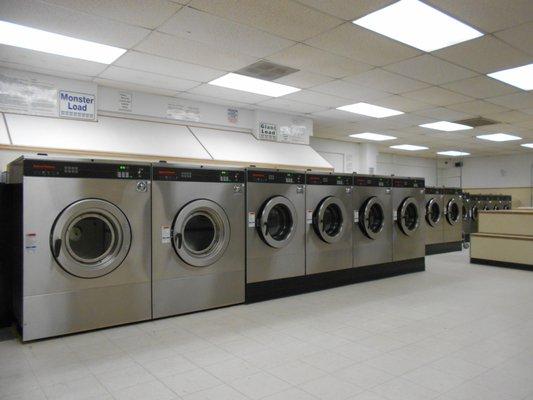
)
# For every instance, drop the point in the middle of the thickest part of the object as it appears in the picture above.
(502, 264)
(438, 248)
(309, 283)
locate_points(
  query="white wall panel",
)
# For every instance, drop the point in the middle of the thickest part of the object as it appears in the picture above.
(426, 168)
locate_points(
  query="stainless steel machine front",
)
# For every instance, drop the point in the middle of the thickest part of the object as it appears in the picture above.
(275, 218)
(466, 213)
(507, 202)
(197, 238)
(372, 208)
(453, 206)
(84, 259)
(328, 222)
(408, 211)
(434, 215)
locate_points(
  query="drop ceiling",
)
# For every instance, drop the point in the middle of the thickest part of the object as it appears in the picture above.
(176, 47)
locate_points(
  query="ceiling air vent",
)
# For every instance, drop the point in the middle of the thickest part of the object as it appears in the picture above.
(266, 70)
(476, 122)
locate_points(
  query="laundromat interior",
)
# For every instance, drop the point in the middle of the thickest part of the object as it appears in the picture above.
(266, 199)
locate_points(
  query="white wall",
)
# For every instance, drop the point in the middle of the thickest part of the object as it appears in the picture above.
(344, 156)
(426, 168)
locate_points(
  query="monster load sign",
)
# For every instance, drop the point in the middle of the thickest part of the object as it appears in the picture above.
(77, 105)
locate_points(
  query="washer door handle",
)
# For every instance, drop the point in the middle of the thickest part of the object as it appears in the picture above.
(57, 247)
(179, 238)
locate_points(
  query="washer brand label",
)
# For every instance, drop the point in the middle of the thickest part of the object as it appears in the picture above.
(309, 216)
(165, 234)
(251, 219)
(31, 242)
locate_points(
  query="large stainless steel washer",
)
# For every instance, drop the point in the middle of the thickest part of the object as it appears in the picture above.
(434, 215)
(408, 213)
(467, 222)
(507, 202)
(197, 238)
(372, 208)
(328, 222)
(83, 245)
(275, 234)
(453, 212)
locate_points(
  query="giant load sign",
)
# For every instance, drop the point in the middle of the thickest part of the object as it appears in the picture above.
(76, 105)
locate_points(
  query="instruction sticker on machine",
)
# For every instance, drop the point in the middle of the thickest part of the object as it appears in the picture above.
(165, 234)
(309, 217)
(31, 242)
(251, 219)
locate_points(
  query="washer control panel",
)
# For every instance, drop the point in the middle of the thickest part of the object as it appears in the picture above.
(372, 181)
(74, 169)
(329, 179)
(197, 175)
(408, 183)
(266, 176)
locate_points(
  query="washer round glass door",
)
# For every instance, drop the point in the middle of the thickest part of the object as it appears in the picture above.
(475, 211)
(201, 233)
(408, 216)
(453, 214)
(372, 217)
(496, 207)
(465, 213)
(433, 212)
(328, 219)
(90, 238)
(277, 221)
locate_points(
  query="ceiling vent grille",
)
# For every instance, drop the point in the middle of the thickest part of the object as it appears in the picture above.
(477, 122)
(266, 70)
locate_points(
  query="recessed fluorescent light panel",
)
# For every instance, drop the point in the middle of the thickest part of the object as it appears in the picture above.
(373, 136)
(253, 85)
(419, 25)
(408, 147)
(446, 126)
(370, 110)
(499, 137)
(528, 145)
(521, 77)
(53, 43)
(453, 153)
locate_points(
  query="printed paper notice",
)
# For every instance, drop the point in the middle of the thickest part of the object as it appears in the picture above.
(251, 219)
(125, 101)
(165, 234)
(27, 96)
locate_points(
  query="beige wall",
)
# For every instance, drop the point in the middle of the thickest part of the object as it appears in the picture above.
(521, 195)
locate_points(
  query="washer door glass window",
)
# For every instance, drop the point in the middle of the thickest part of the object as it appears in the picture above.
(475, 211)
(453, 213)
(372, 217)
(201, 233)
(328, 219)
(408, 216)
(90, 238)
(277, 221)
(433, 212)
(465, 213)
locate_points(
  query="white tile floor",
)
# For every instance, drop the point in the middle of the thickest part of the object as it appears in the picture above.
(454, 332)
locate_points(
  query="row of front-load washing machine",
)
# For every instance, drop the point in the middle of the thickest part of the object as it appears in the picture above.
(103, 243)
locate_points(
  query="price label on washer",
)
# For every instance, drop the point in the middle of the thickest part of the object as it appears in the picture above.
(165, 234)
(356, 216)
(309, 217)
(251, 219)
(395, 215)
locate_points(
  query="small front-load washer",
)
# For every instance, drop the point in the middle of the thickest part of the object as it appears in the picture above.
(82, 244)
(434, 215)
(275, 234)
(197, 238)
(453, 206)
(328, 222)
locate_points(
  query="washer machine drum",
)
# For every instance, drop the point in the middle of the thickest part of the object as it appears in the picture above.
(201, 233)
(276, 222)
(433, 212)
(329, 219)
(408, 216)
(372, 217)
(453, 213)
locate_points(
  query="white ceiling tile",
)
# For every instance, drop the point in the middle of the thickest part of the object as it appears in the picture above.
(437, 96)
(402, 103)
(280, 17)
(519, 37)
(514, 101)
(51, 62)
(347, 9)
(360, 44)
(318, 61)
(290, 106)
(510, 116)
(477, 107)
(319, 99)
(386, 81)
(223, 34)
(147, 79)
(134, 87)
(60, 20)
(186, 50)
(488, 15)
(443, 114)
(350, 91)
(166, 66)
(146, 13)
(303, 79)
(480, 87)
(228, 94)
(485, 54)
(430, 69)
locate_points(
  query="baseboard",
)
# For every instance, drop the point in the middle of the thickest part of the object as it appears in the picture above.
(439, 248)
(309, 283)
(502, 264)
